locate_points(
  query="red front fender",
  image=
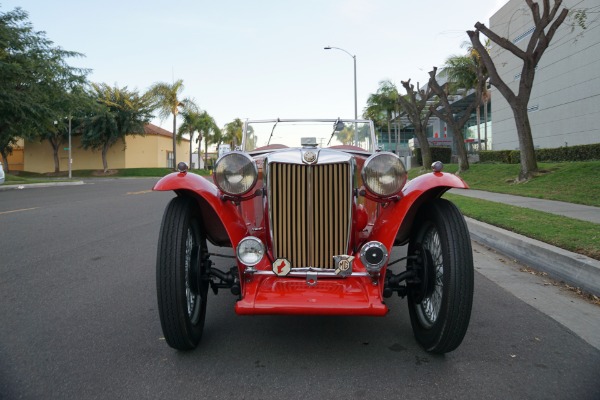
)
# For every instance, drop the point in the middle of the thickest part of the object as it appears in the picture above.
(395, 221)
(222, 221)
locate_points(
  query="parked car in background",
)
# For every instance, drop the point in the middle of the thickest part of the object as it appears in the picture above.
(1, 174)
(313, 210)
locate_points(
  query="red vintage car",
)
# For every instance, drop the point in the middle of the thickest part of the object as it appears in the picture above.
(313, 209)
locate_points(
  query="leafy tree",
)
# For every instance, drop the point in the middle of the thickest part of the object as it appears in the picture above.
(546, 23)
(168, 101)
(120, 113)
(350, 136)
(233, 132)
(346, 135)
(70, 110)
(415, 104)
(35, 78)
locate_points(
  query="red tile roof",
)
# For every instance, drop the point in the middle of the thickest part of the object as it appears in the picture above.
(151, 129)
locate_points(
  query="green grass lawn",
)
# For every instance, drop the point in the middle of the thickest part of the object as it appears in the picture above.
(575, 182)
(570, 234)
(25, 177)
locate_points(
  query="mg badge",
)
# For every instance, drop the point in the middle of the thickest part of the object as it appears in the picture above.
(282, 267)
(343, 265)
(310, 157)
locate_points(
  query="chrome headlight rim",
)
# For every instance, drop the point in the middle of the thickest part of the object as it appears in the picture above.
(220, 170)
(258, 243)
(366, 178)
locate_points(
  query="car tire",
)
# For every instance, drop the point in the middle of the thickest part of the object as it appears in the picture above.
(440, 318)
(181, 269)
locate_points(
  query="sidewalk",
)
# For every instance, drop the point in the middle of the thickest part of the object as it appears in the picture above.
(576, 211)
(39, 185)
(575, 269)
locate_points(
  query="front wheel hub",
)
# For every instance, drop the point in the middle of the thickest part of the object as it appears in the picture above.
(423, 284)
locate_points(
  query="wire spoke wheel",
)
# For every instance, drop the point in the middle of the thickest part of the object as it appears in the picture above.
(429, 308)
(180, 270)
(440, 319)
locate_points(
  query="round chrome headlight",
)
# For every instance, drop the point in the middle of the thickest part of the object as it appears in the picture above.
(384, 174)
(250, 251)
(235, 173)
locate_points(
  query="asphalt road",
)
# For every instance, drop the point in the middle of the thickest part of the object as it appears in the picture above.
(78, 319)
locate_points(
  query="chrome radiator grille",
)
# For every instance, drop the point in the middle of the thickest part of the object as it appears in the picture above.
(310, 212)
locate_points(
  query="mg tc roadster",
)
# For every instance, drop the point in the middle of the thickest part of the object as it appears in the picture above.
(313, 210)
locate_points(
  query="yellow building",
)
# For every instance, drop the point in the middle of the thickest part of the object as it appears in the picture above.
(154, 150)
(15, 160)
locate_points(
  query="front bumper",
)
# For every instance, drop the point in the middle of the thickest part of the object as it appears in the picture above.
(271, 294)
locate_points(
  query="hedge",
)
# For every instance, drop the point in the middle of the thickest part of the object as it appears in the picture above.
(586, 152)
(443, 154)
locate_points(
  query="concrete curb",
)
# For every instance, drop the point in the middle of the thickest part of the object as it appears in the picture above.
(572, 268)
(39, 185)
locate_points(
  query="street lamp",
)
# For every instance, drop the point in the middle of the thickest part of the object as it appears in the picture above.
(354, 58)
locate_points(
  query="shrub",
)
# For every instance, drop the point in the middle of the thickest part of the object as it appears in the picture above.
(443, 154)
(498, 156)
(417, 155)
(515, 157)
(588, 152)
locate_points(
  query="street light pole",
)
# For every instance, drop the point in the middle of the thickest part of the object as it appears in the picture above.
(354, 58)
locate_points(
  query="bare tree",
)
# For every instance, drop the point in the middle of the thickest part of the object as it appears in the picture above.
(414, 104)
(538, 43)
(446, 113)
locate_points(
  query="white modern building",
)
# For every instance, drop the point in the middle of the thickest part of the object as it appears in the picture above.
(564, 109)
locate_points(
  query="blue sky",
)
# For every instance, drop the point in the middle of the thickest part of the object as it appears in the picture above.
(259, 59)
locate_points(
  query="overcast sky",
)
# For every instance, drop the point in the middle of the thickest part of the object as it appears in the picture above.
(259, 59)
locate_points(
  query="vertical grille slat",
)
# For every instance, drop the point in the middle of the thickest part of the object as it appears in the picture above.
(310, 212)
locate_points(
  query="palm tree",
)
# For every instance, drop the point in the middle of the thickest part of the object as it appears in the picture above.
(192, 123)
(464, 72)
(233, 132)
(383, 102)
(207, 129)
(168, 100)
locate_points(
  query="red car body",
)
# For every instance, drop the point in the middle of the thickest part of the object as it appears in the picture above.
(269, 294)
(316, 216)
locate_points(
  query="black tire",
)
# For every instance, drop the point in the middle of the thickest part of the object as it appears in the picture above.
(181, 282)
(441, 319)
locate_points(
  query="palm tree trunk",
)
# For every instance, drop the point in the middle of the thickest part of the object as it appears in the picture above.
(485, 118)
(478, 128)
(205, 154)
(191, 138)
(174, 141)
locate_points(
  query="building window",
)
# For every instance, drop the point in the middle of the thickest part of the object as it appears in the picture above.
(170, 163)
(523, 35)
(518, 76)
